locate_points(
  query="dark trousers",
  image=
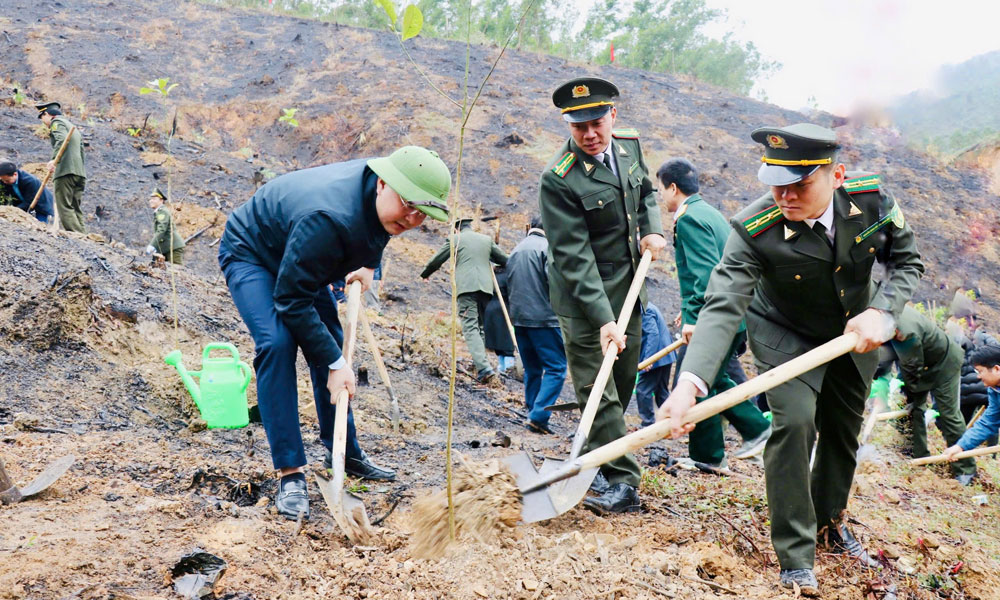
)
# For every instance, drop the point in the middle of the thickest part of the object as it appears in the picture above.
(544, 360)
(584, 356)
(252, 289)
(69, 197)
(707, 443)
(653, 386)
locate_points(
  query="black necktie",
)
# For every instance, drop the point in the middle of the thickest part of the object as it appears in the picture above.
(607, 161)
(820, 229)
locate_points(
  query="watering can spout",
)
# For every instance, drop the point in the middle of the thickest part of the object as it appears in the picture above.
(175, 360)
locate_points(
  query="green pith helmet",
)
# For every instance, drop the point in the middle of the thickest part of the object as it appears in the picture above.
(419, 176)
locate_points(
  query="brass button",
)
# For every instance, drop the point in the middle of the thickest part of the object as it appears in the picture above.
(841, 293)
(871, 250)
(837, 270)
(629, 217)
(847, 314)
(637, 229)
(600, 202)
(797, 277)
(926, 368)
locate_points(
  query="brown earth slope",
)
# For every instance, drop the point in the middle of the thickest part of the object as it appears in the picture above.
(84, 325)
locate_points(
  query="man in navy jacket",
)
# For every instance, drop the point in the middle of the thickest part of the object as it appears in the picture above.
(18, 188)
(280, 253)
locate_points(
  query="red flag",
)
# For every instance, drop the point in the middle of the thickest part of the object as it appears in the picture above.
(612, 52)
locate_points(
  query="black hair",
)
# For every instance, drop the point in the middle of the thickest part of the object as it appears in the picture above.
(987, 356)
(536, 223)
(681, 172)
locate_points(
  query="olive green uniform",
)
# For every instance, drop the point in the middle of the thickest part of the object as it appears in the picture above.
(474, 253)
(166, 240)
(70, 176)
(797, 293)
(594, 221)
(700, 233)
(931, 362)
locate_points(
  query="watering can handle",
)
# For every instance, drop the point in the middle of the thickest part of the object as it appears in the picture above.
(220, 346)
(247, 374)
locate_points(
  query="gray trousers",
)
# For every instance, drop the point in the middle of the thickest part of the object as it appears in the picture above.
(69, 196)
(471, 308)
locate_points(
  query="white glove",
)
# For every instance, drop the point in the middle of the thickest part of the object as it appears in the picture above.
(150, 249)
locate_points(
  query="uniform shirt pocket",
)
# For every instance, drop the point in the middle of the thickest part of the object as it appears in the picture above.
(601, 210)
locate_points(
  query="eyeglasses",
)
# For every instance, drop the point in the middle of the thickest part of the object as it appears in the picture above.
(411, 209)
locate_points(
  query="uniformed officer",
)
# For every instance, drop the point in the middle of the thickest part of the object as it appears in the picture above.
(599, 211)
(798, 266)
(475, 251)
(931, 362)
(70, 175)
(166, 241)
(281, 251)
(700, 234)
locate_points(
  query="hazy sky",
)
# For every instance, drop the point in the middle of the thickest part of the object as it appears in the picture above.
(846, 52)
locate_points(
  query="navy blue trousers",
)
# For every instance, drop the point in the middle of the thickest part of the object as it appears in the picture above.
(544, 360)
(653, 386)
(252, 289)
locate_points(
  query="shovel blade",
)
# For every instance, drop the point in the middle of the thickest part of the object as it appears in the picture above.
(347, 509)
(48, 476)
(550, 501)
(562, 407)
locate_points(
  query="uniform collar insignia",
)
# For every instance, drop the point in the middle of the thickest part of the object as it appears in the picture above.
(587, 166)
(790, 233)
(855, 211)
(621, 150)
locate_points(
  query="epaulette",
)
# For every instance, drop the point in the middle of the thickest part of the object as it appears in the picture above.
(626, 134)
(865, 183)
(564, 164)
(762, 221)
(680, 211)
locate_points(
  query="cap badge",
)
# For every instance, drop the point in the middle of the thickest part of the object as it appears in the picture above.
(777, 142)
(581, 91)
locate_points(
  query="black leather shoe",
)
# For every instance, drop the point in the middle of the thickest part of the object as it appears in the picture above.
(540, 428)
(620, 498)
(364, 468)
(292, 499)
(804, 578)
(600, 484)
(841, 541)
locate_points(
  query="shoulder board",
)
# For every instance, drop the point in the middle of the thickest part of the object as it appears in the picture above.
(681, 211)
(564, 164)
(762, 221)
(626, 134)
(865, 183)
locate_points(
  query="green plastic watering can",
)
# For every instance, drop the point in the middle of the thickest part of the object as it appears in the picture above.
(222, 396)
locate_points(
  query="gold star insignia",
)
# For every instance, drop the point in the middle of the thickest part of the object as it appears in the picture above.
(789, 233)
(587, 167)
(855, 211)
(621, 150)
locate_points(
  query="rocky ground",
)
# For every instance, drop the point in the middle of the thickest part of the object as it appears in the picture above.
(85, 323)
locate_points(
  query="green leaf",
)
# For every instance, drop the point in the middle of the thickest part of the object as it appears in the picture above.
(389, 9)
(413, 22)
(172, 86)
(145, 90)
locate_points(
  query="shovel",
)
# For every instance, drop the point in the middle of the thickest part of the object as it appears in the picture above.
(12, 494)
(521, 465)
(377, 355)
(541, 500)
(660, 354)
(940, 458)
(348, 510)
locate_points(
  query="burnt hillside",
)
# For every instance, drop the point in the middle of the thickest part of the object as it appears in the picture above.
(357, 95)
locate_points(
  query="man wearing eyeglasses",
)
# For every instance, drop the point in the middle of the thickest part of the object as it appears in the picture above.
(279, 253)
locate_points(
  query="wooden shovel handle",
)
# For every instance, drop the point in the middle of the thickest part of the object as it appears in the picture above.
(590, 410)
(48, 174)
(940, 458)
(343, 398)
(894, 414)
(376, 354)
(728, 399)
(503, 307)
(660, 354)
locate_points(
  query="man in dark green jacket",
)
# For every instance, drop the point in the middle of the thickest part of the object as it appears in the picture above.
(166, 241)
(599, 212)
(474, 253)
(798, 267)
(700, 233)
(931, 362)
(69, 176)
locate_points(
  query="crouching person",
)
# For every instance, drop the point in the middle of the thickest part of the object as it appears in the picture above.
(986, 361)
(281, 251)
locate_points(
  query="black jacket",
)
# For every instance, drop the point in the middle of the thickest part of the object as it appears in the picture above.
(23, 191)
(309, 228)
(529, 283)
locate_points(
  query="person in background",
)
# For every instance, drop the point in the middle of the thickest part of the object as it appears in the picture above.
(166, 241)
(18, 188)
(986, 360)
(69, 177)
(653, 386)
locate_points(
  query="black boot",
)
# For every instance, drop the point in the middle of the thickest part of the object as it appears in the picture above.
(293, 497)
(362, 468)
(620, 498)
(600, 485)
(841, 541)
